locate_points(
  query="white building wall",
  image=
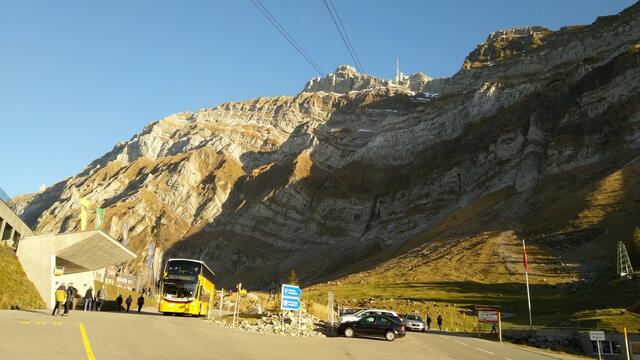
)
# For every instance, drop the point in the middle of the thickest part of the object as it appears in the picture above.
(38, 264)
(81, 281)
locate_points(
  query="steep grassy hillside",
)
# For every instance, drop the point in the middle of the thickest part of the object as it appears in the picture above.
(474, 256)
(16, 291)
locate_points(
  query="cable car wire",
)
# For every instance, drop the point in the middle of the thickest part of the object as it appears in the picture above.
(267, 14)
(343, 33)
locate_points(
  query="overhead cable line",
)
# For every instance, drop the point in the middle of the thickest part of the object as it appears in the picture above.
(313, 40)
(354, 32)
(258, 4)
(343, 33)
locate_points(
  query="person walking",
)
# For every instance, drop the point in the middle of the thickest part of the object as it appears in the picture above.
(88, 299)
(439, 320)
(119, 302)
(74, 296)
(128, 302)
(494, 329)
(102, 297)
(68, 304)
(428, 321)
(140, 303)
(61, 299)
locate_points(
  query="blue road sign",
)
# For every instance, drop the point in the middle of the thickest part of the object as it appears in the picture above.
(290, 297)
(290, 303)
(291, 291)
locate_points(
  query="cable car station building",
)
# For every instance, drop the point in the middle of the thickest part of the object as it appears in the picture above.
(52, 259)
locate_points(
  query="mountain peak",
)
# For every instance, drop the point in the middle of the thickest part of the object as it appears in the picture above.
(346, 78)
(503, 44)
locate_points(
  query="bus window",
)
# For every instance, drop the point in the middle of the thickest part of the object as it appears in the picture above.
(179, 267)
(179, 289)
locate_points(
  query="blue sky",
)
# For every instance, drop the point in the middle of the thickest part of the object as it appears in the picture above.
(76, 77)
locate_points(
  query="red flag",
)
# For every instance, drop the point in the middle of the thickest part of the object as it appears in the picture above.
(524, 257)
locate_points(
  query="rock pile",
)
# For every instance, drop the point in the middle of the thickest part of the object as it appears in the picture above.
(310, 325)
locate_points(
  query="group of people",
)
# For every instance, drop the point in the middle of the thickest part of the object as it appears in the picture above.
(94, 303)
(129, 301)
(67, 297)
(494, 329)
(439, 321)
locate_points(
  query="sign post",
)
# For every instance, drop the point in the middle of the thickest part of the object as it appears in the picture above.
(221, 302)
(597, 336)
(235, 309)
(500, 326)
(526, 275)
(290, 300)
(626, 344)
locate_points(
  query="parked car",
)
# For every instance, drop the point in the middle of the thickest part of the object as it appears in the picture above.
(413, 322)
(373, 326)
(366, 312)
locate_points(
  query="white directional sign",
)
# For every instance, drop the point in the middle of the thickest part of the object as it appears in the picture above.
(596, 335)
(488, 316)
(290, 296)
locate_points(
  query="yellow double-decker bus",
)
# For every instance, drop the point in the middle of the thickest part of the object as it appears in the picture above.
(186, 288)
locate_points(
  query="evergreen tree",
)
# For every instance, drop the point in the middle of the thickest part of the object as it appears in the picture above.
(293, 278)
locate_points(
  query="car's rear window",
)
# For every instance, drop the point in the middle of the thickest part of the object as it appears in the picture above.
(383, 321)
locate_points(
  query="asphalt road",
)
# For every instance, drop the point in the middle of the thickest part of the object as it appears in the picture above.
(103, 335)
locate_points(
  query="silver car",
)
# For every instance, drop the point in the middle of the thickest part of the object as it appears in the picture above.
(413, 322)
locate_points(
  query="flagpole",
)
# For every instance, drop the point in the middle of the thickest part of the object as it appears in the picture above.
(526, 275)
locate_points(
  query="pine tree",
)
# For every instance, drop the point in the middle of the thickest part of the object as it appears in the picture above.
(293, 278)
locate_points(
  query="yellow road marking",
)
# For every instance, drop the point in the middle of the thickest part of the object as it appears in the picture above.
(87, 345)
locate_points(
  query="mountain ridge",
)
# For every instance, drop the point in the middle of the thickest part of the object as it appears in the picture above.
(356, 168)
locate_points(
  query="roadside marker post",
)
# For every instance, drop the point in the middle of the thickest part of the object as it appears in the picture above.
(299, 319)
(626, 344)
(209, 310)
(500, 326)
(236, 310)
(221, 302)
(526, 276)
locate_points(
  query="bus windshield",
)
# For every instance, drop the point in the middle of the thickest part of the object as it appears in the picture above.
(179, 289)
(183, 267)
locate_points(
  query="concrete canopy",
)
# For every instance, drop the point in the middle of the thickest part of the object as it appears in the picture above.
(94, 250)
(78, 252)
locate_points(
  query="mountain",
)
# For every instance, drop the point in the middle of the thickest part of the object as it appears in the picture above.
(536, 137)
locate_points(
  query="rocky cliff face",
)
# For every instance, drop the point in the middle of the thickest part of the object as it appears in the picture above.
(354, 166)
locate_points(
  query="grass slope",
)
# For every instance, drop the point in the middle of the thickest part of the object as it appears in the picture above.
(571, 222)
(16, 290)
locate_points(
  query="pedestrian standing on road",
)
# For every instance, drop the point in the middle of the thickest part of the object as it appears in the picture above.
(439, 320)
(128, 301)
(68, 304)
(428, 321)
(74, 297)
(119, 302)
(61, 299)
(140, 303)
(88, 299)
(102, 297)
